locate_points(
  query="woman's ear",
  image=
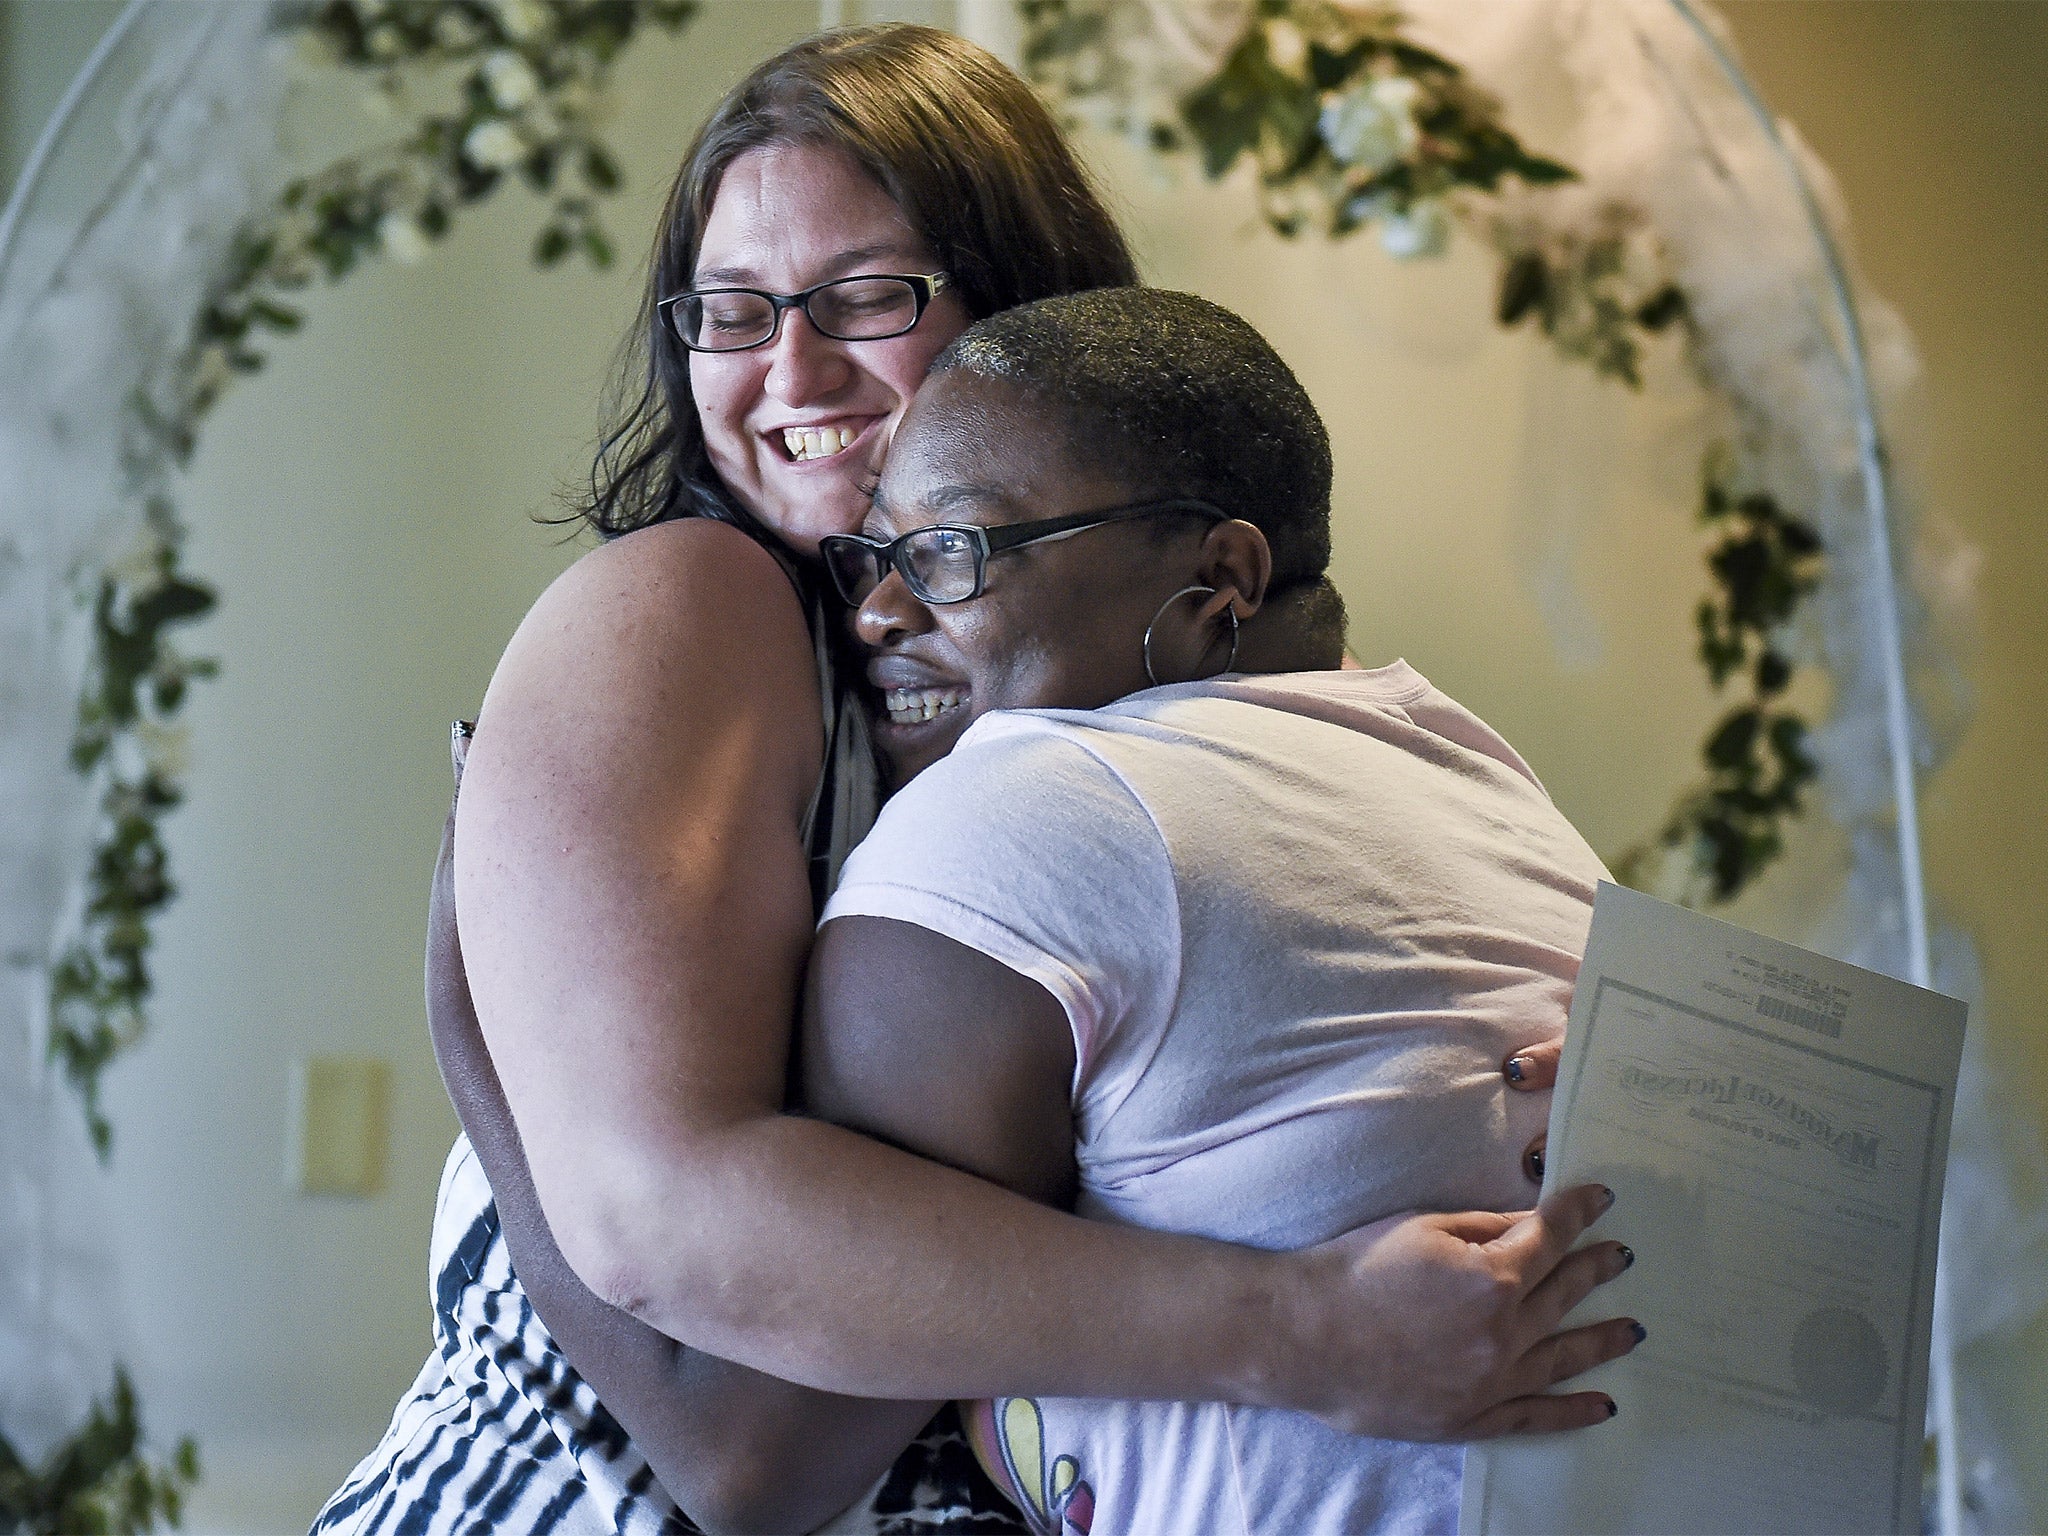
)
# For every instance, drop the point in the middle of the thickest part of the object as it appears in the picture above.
(1237, 562)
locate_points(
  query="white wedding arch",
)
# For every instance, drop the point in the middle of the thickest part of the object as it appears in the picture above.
(168, 138)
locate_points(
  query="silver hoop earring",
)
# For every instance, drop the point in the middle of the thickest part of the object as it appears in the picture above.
(1228, 662)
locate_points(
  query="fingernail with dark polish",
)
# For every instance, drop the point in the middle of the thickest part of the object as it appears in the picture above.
(1518, 1068)
(1628, 1256)
(1610, 1197)
(1639, 1331)
(1532, 1164)
(1612, 1407)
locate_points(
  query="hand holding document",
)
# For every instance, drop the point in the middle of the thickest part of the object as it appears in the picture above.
(1775, 1127)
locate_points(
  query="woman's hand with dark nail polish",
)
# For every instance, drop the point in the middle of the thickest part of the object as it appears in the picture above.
(1533, 1067)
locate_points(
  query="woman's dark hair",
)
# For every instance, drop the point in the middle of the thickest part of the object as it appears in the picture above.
(972, 158)
(1167, 394)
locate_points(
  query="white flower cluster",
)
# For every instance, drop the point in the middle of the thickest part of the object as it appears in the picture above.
(400, 237)
(523, 20)
(1369, 127)
(1372, 125)
(510, 79)
(494, 145)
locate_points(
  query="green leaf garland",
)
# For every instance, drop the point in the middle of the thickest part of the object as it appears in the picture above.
(533, 77)
(99, 1482)
(1351, 125)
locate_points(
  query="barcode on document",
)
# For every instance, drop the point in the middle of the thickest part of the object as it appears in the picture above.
(1805, 1018)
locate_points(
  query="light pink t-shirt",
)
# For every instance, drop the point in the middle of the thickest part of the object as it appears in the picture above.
(1296, 923)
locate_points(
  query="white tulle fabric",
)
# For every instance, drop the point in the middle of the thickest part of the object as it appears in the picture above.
(108, 250)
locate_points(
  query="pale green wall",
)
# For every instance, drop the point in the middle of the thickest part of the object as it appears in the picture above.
(366, 509)
(42, 43)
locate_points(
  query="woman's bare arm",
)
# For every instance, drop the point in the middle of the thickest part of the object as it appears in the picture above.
(938, 1048)
(635, 911)
(737, 1450)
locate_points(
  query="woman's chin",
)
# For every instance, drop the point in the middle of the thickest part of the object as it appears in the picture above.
(806, 510)
(802, 525)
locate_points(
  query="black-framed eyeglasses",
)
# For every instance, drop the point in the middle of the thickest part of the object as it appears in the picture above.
(867, 307)
(948, 562)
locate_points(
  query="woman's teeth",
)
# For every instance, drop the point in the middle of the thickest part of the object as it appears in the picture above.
(817, 442)
(912, 706)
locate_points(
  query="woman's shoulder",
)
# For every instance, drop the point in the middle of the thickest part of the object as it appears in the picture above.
(656, 643)
(680, 598)
(686, 571)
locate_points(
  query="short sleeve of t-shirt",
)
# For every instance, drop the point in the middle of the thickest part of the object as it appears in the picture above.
(1024, 845)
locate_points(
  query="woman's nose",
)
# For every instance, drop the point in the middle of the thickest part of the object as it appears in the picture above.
(889, 613)
(802, 365)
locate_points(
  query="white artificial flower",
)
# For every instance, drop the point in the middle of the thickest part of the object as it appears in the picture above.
(1424, 230)
(1397, 95)
(214, 372)
(1361, 132)
(521, 19)
(139, 571)
(166, 749)
(1286, 47)
(401, 239)
(454, 30)
(492, 145)
(510, 79)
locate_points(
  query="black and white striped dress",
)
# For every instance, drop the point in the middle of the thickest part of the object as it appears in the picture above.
(498, 1431)
(500, 1434)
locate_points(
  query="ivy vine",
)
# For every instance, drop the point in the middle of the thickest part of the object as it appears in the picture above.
(99, 1482)
(1350, 125)
(530, 80)
(1721, 834)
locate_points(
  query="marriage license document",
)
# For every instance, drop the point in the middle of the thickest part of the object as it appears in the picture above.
(1774, 1125)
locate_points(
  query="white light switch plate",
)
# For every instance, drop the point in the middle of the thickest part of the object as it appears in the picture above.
(338, 1124)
